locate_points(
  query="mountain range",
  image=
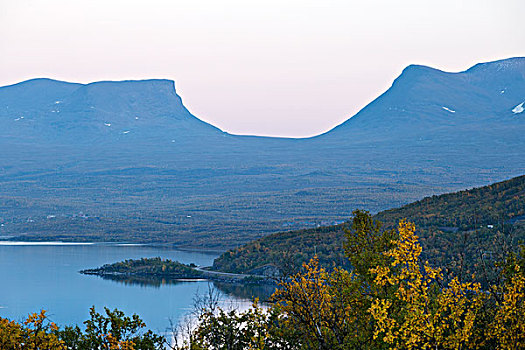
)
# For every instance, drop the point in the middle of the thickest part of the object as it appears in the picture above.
(126, 161)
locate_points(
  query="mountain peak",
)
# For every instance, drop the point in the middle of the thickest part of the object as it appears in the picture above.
(505, 65)
(423, 98)
(103, 110)
(142, 83)
(40, 82)
(511, 65)
(415, 73)
(419, 69)
(134, 91)
(46, 83)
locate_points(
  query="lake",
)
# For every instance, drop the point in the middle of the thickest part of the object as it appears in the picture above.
(36, 276)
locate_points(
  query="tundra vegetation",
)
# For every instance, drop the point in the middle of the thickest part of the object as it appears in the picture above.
(389, 298)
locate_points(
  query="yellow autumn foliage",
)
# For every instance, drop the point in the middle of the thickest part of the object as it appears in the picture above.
(508, 327)
(419, 315)
(405, 305)
(36, 333)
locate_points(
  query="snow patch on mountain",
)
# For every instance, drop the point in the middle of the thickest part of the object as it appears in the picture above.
(518, 109)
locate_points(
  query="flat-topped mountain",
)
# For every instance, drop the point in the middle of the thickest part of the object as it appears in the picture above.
(130, 157)
(64, 113)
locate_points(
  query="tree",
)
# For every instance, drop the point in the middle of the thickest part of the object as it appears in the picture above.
(390, 299)
(508, 325)
(420, 314)
(114, 330)
(36, 333)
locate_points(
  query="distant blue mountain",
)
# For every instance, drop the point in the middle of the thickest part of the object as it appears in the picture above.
(65, 113)
(115, 148)
(423, 101)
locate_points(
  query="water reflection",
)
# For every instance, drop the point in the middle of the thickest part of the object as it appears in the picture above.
(247, 291)
(145, 281)
(237, 290)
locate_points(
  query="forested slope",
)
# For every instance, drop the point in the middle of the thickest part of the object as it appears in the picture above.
(461, 231)
(488, 205)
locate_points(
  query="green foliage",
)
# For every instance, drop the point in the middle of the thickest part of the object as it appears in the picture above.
(366, 242)
(287, 251)
(104, 331)
(111, 331)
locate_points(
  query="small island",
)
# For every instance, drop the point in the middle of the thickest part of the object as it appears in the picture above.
(153, 270)
(147, 268)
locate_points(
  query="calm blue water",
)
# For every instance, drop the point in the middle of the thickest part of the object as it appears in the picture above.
(34, 277)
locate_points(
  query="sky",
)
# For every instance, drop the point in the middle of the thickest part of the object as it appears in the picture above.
(274, 68)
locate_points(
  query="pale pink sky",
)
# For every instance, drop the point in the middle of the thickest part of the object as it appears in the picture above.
(281, 68)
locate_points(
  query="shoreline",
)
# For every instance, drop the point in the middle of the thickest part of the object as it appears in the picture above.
(209, 251)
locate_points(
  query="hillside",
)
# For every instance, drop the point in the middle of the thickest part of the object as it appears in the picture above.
(502, 202)
(127, 161)
(451, 227)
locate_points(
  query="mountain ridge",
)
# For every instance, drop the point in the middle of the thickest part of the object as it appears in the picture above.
(409, 75)
(95, 108)
(413, 75)
(152, 172)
